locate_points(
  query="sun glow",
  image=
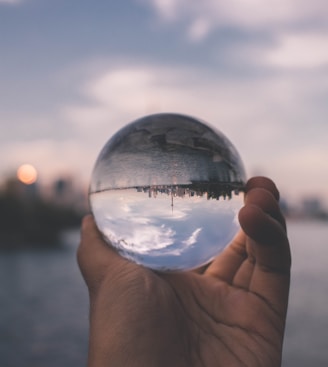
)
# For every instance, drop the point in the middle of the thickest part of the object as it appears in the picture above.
(27, 174)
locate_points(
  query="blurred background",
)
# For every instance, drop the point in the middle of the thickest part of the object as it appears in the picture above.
(72, 72)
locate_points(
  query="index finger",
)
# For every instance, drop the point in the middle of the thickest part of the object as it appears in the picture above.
(267, 241)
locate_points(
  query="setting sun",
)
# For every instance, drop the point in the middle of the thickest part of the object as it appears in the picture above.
(27, 174)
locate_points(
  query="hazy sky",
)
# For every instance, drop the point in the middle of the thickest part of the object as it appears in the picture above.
(72, 72)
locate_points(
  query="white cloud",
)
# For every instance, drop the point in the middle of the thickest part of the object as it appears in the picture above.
(124, 93)
(302, 50)
(166, 8)
(252, 14)
(192, 238)
(199, 29)
(297, 29)
(296, 52)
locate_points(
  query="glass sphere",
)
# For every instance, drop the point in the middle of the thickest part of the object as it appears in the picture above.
(166, 190)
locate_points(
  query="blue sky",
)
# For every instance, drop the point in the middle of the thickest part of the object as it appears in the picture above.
(72, 72)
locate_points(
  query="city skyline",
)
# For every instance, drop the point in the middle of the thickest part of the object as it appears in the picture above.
(213, 190)
(64, 190)
(74, 73)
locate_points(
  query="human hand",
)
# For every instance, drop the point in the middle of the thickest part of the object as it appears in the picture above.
(231, 313)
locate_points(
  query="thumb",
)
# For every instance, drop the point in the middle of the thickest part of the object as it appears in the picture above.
(95, 257)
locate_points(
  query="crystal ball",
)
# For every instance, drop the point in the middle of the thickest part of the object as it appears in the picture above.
(166, 190)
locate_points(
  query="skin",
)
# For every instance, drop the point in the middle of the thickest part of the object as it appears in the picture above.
(230, 313)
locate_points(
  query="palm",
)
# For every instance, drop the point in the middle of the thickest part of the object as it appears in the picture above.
(231, 334)
(205, 320)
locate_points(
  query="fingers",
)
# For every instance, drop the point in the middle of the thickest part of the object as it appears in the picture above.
(267, 201)
(263, 183)
(95, 256)
(231, 266)
(258, 259)
(264, 224)
(267, 244)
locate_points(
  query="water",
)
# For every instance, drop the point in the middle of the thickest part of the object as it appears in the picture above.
(43, 308)
(306, 341)
(171, 227)
(44, 304)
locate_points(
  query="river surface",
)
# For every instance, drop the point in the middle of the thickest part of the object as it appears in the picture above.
(44, 304)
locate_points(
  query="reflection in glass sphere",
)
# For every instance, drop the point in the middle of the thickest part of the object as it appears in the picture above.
(166, 190)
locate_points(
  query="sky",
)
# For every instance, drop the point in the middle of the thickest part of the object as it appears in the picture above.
(73, 72)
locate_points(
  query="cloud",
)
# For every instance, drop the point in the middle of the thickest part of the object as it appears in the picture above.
(199, 29)
(295, 31)
(10, 2)
(251, 14)
(192, 238)
(271, 119)
(122, 94)
(276, 121)
(166, 8)
(301, 50)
